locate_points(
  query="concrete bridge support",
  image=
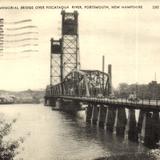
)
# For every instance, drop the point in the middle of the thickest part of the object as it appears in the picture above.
(110, 118)
(70, 106)
(156, 127)
(146, 131)
(140, 120)
(102, 116)
(149, 134)
(89, 113)
(46, 102)
(95, 114)
(131, 127)
(50, 102)
(120, 121)
(58, 103)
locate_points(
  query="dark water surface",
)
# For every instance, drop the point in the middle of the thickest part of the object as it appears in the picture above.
(54, 135)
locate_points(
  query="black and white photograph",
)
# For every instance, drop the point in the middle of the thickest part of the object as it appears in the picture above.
(80, 80)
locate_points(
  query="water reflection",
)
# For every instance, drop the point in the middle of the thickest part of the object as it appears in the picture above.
(54, 135)
(108, 142)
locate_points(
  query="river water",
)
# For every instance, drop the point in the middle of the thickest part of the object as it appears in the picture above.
(54, 135)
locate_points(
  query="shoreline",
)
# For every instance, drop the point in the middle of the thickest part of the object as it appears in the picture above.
(153, 154)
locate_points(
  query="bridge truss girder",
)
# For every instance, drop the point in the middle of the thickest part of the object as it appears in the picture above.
(83, 83)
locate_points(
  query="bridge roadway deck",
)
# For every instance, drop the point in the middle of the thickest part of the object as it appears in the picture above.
(150, 105)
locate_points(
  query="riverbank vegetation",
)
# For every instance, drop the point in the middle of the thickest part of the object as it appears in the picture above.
(27, 96)
(8, 148)
(143, 91)
(151, 155)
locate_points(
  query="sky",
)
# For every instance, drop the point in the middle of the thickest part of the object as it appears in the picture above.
(128, 38)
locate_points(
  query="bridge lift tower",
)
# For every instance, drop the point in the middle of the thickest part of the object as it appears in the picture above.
(65, 51)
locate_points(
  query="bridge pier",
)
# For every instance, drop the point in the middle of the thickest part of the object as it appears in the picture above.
(46, 102)
(120, 121)
(95, 114)
(131, 127)
(102, 116)
(70, 106)
(140, 120)
(58, 103)
(89, 113)
(149, 134)
(146, 131)
(50, 102)
(110, 118)
(156, 127)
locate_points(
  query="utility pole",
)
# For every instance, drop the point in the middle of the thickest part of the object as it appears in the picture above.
(155, 76)
(103, 65)
(110, 79)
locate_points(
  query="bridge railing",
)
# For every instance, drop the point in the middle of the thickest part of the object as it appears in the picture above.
(155, 102)
(56, 91)
(120, 101)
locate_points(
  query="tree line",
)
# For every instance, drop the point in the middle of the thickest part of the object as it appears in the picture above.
(142, 91)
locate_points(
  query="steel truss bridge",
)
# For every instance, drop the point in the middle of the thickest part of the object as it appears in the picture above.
(66, 75)
(70, 87)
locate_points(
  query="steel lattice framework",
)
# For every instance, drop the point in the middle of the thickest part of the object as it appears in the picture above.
(65, 51)
(55, 62)
(70, 46)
